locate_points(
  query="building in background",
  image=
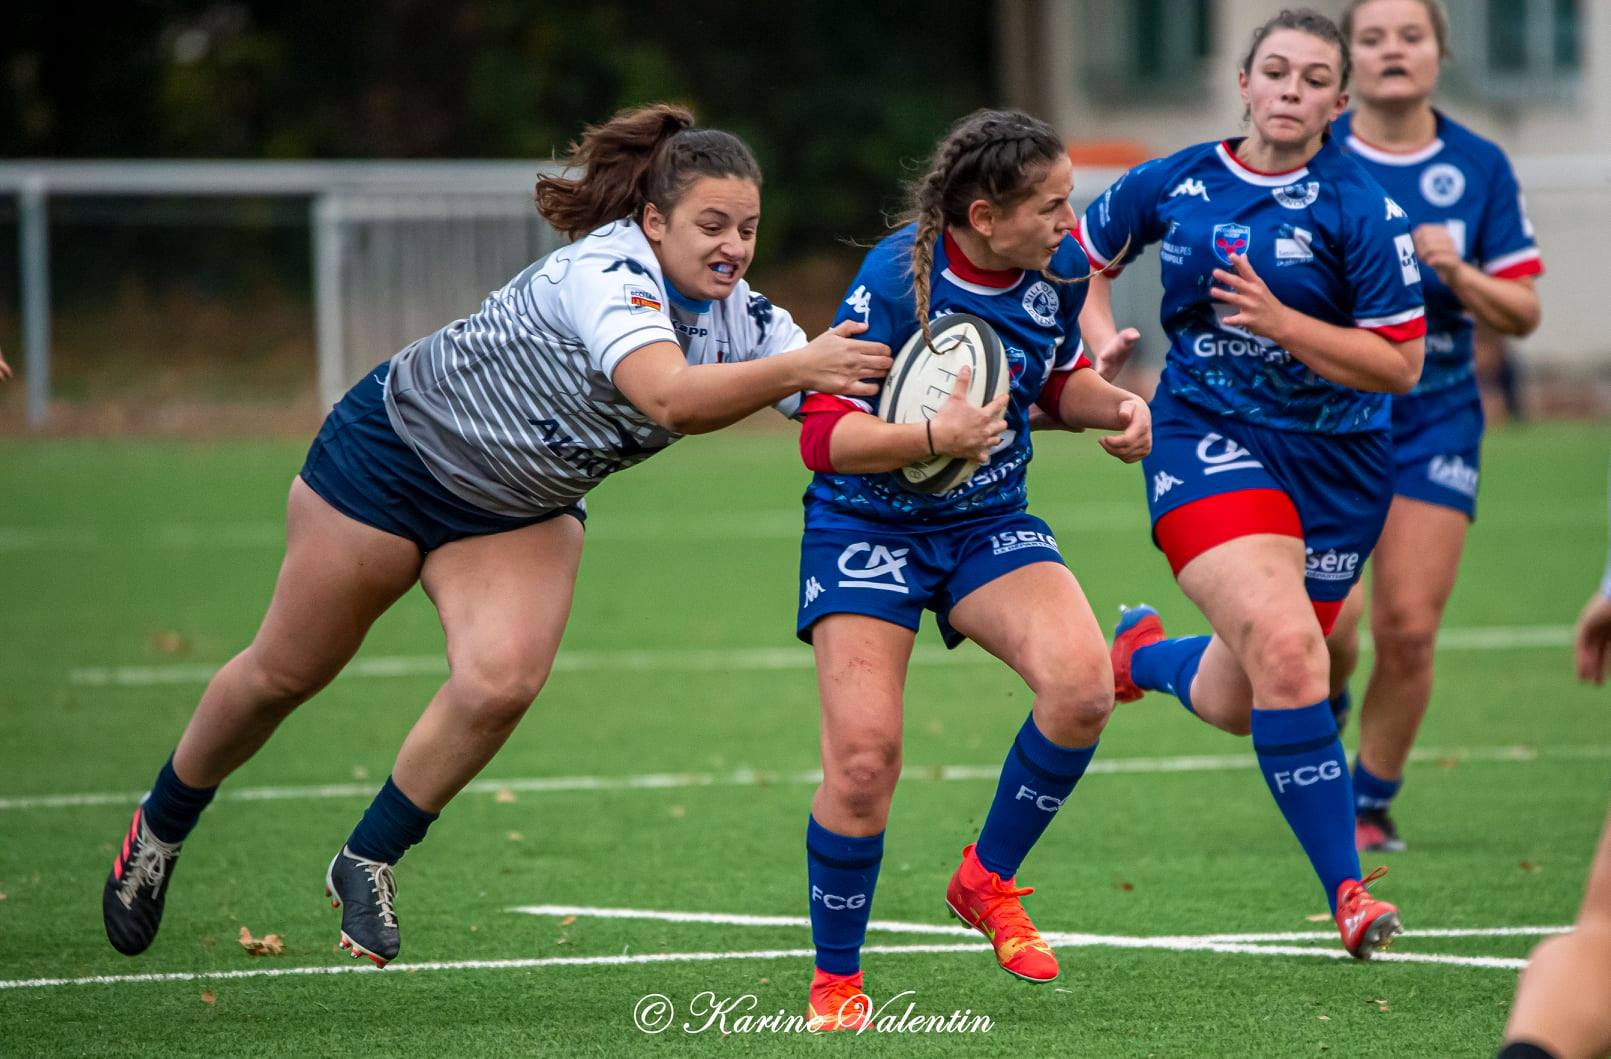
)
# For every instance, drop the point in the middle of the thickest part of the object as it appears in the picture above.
(1129, 79)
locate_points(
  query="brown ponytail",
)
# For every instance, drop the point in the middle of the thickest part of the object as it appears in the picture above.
(648, 154)
(994, 155)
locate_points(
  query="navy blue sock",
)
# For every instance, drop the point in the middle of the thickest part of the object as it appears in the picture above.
(842, 871)
(172, 807)
(1341, 705)
(1169, 665)
(1370, 790)
(1303, 764)
(1036, 777)
(390, 825)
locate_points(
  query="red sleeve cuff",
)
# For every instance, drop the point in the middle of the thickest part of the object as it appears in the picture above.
(819, 414)
(1051, 395)
(1404, 332)
(1521, 270)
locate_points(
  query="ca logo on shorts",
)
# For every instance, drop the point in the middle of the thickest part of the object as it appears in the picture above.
(1228, 456)
(881, 569)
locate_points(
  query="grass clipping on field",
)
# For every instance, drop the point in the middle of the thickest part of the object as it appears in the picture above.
(267, 945)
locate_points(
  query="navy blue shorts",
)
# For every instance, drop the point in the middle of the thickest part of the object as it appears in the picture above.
(897, 572)
(362, 468)
(1336, 487)
(1437, 448)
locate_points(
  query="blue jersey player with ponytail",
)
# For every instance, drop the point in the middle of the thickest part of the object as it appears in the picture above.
(991, 237)
(1292, 298)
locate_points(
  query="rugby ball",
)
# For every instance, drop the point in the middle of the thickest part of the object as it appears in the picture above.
(923, 377)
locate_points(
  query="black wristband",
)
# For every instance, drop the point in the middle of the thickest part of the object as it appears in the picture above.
(928, 428)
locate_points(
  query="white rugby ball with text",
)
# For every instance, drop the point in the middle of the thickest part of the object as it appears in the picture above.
(923, 377)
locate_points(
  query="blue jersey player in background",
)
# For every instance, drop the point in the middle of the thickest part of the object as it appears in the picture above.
(1478, 260)
(1292, 298)
(991, 237)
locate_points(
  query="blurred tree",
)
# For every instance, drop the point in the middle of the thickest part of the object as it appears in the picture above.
(834, 95)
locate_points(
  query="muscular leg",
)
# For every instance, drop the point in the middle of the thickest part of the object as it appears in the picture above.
(503, 600)
(1563, 1002)
(338, 576)
(861, 671)
(1415, 563)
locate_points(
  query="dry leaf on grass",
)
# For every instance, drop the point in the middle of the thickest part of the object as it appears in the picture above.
(677, 812)
(359, 772)
(267, 945)
(1127, 887)
(515, 836)
(169, 642)
(2, 895)
(1381, 1005)
(208, 998)
(567, 921)
(504, 796)
(1323, 1018)
(1319, 917)
(1528, 866)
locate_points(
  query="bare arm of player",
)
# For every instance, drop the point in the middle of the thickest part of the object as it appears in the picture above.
(1509, 306)
(1111, 346)
(865, 444)
(1351, 356)
(698, 398)
(1091, 401)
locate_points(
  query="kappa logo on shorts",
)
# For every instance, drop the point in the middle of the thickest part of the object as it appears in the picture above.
(1162, 482)
(881, 569)
(1228, 457)
(813, 589)
(1452, 472)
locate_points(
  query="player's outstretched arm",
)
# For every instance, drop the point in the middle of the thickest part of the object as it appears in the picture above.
(698, 398)
(865, 444)
(1351, 356)
(1089, 400)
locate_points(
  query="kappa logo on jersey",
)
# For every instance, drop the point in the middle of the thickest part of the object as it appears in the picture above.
(1452, 472)
(1394, 210)
(1231, 239)
(1191, 189)
(628, 264)
(1330, 565)
(1040, 302)
(641, 299)
(1293, 245)
(1228, 456)
(861, 301)
(1162, 482)
(1442, 184)
(813, 589)
(1297, 196)
(760, 310)
(1408, 268)
(881, 569)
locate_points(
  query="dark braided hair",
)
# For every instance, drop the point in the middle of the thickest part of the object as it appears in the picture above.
(648, 154)
(995, 155)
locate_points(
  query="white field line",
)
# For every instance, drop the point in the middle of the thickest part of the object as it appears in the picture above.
(746, 777)
(793, 657)
(1172, 944)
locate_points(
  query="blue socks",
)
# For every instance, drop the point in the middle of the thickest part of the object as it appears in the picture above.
(390, 825)
(172, 807)
(1036, 777)
(1303, 764)
(842, 871)
(1169, 665)
(1370, 790)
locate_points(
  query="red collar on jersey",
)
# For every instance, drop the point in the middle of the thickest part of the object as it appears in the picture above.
(1000, 278)
(1230, 152)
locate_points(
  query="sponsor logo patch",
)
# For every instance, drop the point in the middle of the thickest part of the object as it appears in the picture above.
(1409, 269)
(1293, 245)
(1231, 239)
(1297, 196)
(1330, 565)
(1442, 184)
(642, 300)
(880, 569)
(1452, 472)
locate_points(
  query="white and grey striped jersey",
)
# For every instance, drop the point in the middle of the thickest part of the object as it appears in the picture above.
(513, 408)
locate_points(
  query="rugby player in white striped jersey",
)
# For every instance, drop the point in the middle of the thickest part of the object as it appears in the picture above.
(462, 464)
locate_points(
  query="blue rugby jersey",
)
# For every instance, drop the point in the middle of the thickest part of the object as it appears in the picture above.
(1038, 322)
(1466, 184)
(1325, 239)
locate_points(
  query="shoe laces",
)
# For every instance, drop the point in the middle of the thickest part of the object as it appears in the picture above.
(1010, 916)
(384, 886)
(1361, 891)
(148, 865)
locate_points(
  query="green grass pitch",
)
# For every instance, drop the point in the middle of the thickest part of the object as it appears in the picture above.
(129, 568)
